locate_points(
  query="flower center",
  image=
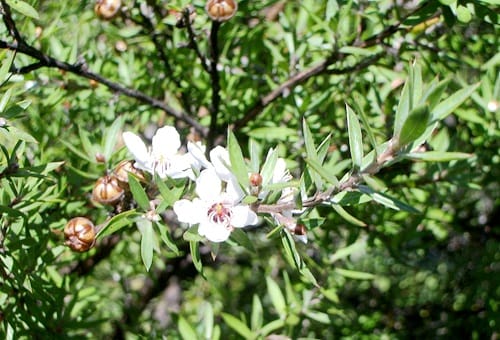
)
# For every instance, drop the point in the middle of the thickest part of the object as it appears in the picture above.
(161, 165)
(220, 213)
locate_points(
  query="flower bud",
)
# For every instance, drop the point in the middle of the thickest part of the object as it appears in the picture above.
(79, 234)
(107, 191)
(121, 173)
(221, 10)
(100, 158)
(299, 230)
(255, 180)
(107, 9)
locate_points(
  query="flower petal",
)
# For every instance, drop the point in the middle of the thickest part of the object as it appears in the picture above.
(243, 216)
(213, 231)
(220, 160)
(208, 185)
(166, 141)
(197, 151)
(189, 211)
(138, 149)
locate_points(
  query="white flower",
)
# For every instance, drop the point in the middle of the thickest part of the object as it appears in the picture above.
(216, 211)
(163, 157)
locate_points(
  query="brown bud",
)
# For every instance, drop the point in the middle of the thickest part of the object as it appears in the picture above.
(107, 9)
(121, 173)
(221, 10)
(299, 229)
(255, 179)
(99, 157)
(79, 234)
(93, 83)
(107, 191)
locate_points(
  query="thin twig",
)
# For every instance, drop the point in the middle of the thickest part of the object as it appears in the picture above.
(192, 40)
(214, 76)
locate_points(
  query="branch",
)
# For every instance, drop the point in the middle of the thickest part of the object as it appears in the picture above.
(349, 183)
(214, 75)
(192, 39)
(81, 69)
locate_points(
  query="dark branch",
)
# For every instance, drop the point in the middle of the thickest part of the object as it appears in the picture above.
(214, 75)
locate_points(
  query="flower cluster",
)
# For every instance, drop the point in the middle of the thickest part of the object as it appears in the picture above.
(218, 207)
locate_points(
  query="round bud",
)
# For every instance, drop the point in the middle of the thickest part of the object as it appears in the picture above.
(299, 229)
(93, 83)
(121, 172)
(107, 9)
(107, 191)
(100, 158)
(79, 234)
(221, 10)
(255, 179)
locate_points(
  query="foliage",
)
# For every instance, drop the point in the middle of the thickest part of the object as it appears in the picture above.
(386, 114)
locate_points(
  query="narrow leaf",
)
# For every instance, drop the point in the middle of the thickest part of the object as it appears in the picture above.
(437, 156)
(147, 242)
(386, 200)
(348, 217)
(355, 138)
(237, 325)
(414, 126)
(117, 222)
(351, 274)
(320, 170)
(448, 105)
(138, 192)
(194, 247)
(238, 166)
(187, 331)
(257, 317)
(23, 8)
(276, 296)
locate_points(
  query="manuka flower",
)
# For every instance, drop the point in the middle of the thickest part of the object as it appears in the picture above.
(163, 157)
(216, 210)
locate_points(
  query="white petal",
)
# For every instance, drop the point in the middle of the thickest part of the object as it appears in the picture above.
(301, 238)
(213, 232)
(234, 191)
(243, 216)
(197, 150)
(208, 185)
(279, 171)
(189, 211)
(166, 141)
(136, 147)
(220, 160)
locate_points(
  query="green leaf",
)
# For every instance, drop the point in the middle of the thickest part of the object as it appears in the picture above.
(347, 251)
(237, 325)
(255, 155)
(111, 137)
(4, 71)
(147, 242)
(448, 105)
(187, 331)
(414, 125)
(403, 107)
(348, 217)
(238, 165)
(309, 142)
(194, 247)
(166, 238)
(318, 316)
(241, 238)
(437, 156)
(23, 8)
(276, 296)
(351, 274)
(138, 192)
(320, 170)
(364, 120)
(293, 257)
(386, 200)
(272, 326)
(434, 93)
(355, 138)
(208, 320)
(117, 222)
(268, 166)
(257, 317)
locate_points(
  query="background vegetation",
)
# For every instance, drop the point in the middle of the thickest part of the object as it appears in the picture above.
(71, 82)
